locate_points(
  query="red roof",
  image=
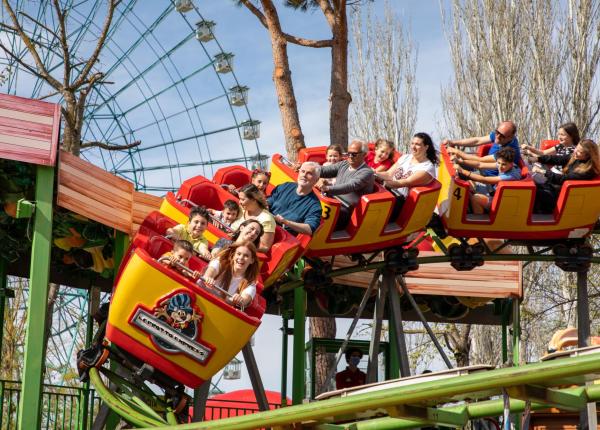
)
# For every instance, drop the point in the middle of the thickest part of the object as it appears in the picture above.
(235, 403)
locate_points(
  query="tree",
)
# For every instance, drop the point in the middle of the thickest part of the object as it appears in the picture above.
(73, 82)
(383, 78)
(78, 77)
(335, 14)
(536, 63)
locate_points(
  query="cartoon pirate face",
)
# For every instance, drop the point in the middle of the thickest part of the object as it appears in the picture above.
(179, 309)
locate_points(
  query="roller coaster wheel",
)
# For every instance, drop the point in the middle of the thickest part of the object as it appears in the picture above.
(94, 356)
(465, 256)
(436, 224)
(402, 260)
(573, 258)
(317, 278)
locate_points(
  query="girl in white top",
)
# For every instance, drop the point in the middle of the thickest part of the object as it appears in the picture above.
(235, 271)
(411, 170)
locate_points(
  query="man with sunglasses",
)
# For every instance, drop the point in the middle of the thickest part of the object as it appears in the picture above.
(503, 136)
(353, 180)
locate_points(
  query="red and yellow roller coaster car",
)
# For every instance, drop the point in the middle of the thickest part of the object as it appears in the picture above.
(286, 248)
(238, 176)
(370, 228)
(165, 319)
(511, 213)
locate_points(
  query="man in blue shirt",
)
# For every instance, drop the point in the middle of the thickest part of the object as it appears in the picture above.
(295, 205)
(504, 136)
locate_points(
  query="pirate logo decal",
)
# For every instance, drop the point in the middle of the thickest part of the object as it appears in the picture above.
(174, 326)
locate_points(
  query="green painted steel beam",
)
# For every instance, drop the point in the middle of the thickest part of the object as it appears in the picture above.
(475, 385)
(455, 418)
(489, 408)
(30, 405)
(123, 409)
(299, 363)
(574, 400)
(3, 284)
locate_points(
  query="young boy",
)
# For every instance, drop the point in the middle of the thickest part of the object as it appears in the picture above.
(180, 255)
(230, 212)
(193, 231)
(484, 190)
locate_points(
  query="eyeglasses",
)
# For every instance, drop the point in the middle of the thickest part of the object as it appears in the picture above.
(501, 135)
(353, 154)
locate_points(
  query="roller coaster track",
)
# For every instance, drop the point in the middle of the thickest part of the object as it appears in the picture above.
(557, 383)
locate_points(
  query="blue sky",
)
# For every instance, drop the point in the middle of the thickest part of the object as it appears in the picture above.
(240, 32)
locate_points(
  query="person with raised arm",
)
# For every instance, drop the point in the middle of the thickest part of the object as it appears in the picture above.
(503, 136)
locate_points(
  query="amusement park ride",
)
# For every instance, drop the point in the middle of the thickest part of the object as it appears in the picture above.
(163, 332)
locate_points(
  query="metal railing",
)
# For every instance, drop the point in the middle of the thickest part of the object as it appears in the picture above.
(63, 408)
(217, 408)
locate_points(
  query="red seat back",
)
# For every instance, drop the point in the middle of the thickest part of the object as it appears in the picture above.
(209, 194)
(547, 144)
(237, 176)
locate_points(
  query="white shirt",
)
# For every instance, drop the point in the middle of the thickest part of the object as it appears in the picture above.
(403, 168)
(234, 286)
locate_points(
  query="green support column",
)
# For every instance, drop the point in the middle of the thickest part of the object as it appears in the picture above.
(516, 337)
(284, 359)
(121, 244)
(30, 405)
(3, 285)
(298, 382)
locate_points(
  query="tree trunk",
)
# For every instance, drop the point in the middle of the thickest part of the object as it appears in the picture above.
(282, 78)
(459, 342)
(324, 328)
(340, 97)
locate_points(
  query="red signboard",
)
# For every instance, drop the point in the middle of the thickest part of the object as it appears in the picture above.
(29, 130)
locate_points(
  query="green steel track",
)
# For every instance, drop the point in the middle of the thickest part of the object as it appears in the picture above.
(411, 406)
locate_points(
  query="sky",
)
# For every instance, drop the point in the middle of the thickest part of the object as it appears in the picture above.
(240, 32)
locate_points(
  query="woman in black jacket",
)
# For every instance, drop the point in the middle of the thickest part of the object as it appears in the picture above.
(583, 164)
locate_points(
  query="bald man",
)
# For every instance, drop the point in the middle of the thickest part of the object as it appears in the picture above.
(503, 136)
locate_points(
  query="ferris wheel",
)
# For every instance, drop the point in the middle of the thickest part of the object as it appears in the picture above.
(168, 84)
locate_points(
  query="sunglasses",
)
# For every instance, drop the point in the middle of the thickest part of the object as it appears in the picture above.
(353, 154)
(501, 135)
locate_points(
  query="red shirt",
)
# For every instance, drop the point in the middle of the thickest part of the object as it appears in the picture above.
(347, 378)
(370, 160)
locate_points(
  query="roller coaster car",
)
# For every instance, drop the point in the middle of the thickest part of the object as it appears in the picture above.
(171, 323)
(284, 252)
(317, 154)
(370, 228)
(237, 176)
(511, 213)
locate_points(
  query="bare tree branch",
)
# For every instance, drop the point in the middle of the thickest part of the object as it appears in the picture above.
(325, 43)
(82, 78)
(37, 22)
(63, 43)
(108, 147)
(30, 47)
